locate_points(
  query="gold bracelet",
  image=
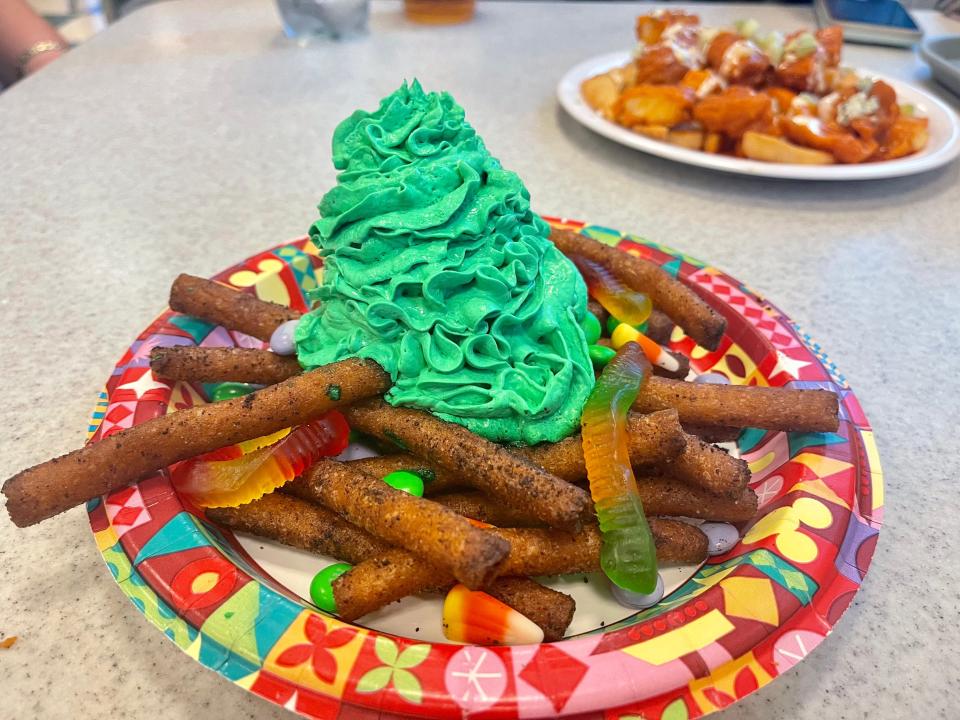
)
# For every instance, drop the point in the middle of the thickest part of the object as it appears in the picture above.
(38, 48)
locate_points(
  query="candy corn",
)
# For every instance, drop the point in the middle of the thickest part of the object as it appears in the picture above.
(655, 354)
(473, 616)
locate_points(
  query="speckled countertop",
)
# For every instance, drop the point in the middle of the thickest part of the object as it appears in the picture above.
(190, 135)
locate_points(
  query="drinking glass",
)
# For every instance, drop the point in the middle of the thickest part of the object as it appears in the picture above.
(305, 20)
(439, 12)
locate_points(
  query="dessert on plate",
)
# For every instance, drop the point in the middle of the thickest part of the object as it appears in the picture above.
(530, 417)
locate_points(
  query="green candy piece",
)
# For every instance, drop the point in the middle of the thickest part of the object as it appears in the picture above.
(600, 355)
(612, 323)
(225, 391)
(406, 481)
(321, 587)
(591, 328)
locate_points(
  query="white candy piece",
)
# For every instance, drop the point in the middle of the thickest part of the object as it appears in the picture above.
(357, 451)
(638, 600)
(720, 537)
(668, 362)
(712, 379)
(281, 341)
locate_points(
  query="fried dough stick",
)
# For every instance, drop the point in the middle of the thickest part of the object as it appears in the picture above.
(222, 364)
(676, 300)
(381, 580)
(222, 305)
(397, 574)
(393, 573)
(656, 444)
(432, 532)
(660, 496)
(666, 496)
(548, 608)
(708, 467)
(486, 465)
(712, 434)
(742, 405)
(704, 407)
(660, 328)
(310, 527)
(250, 365)
(542, 551)
(696, 463)
(654, 439)
(479, 506)
(301, 524)
(434, 479)
(391, 576)
(50, 488)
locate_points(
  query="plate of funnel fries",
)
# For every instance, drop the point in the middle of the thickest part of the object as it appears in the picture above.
(758, 102)
(444, 457)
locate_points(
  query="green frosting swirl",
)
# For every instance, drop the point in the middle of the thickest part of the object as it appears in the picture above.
(436, 268)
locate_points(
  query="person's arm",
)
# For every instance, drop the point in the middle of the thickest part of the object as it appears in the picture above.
(23, 32)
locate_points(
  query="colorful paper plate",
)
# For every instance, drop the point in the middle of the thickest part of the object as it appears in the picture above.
(741, 620)
(942, 147)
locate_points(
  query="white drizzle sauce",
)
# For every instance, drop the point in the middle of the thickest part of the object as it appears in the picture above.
(711, 82)
(817, 81)
(803, 102)
(706, 36)
(826, 106)
(815, 125)
(737, 52)
(670, 32)
(681, 39)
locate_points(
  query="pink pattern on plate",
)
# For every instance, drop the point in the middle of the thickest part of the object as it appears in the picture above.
(475, 678)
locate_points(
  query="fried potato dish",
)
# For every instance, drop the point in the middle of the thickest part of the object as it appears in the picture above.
(763, 96)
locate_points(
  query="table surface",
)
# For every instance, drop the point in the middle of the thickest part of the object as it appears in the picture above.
(191, 135)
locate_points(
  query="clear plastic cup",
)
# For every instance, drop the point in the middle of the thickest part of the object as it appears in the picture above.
(306, 20)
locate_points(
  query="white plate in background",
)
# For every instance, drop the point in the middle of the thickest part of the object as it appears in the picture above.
(942, 147)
